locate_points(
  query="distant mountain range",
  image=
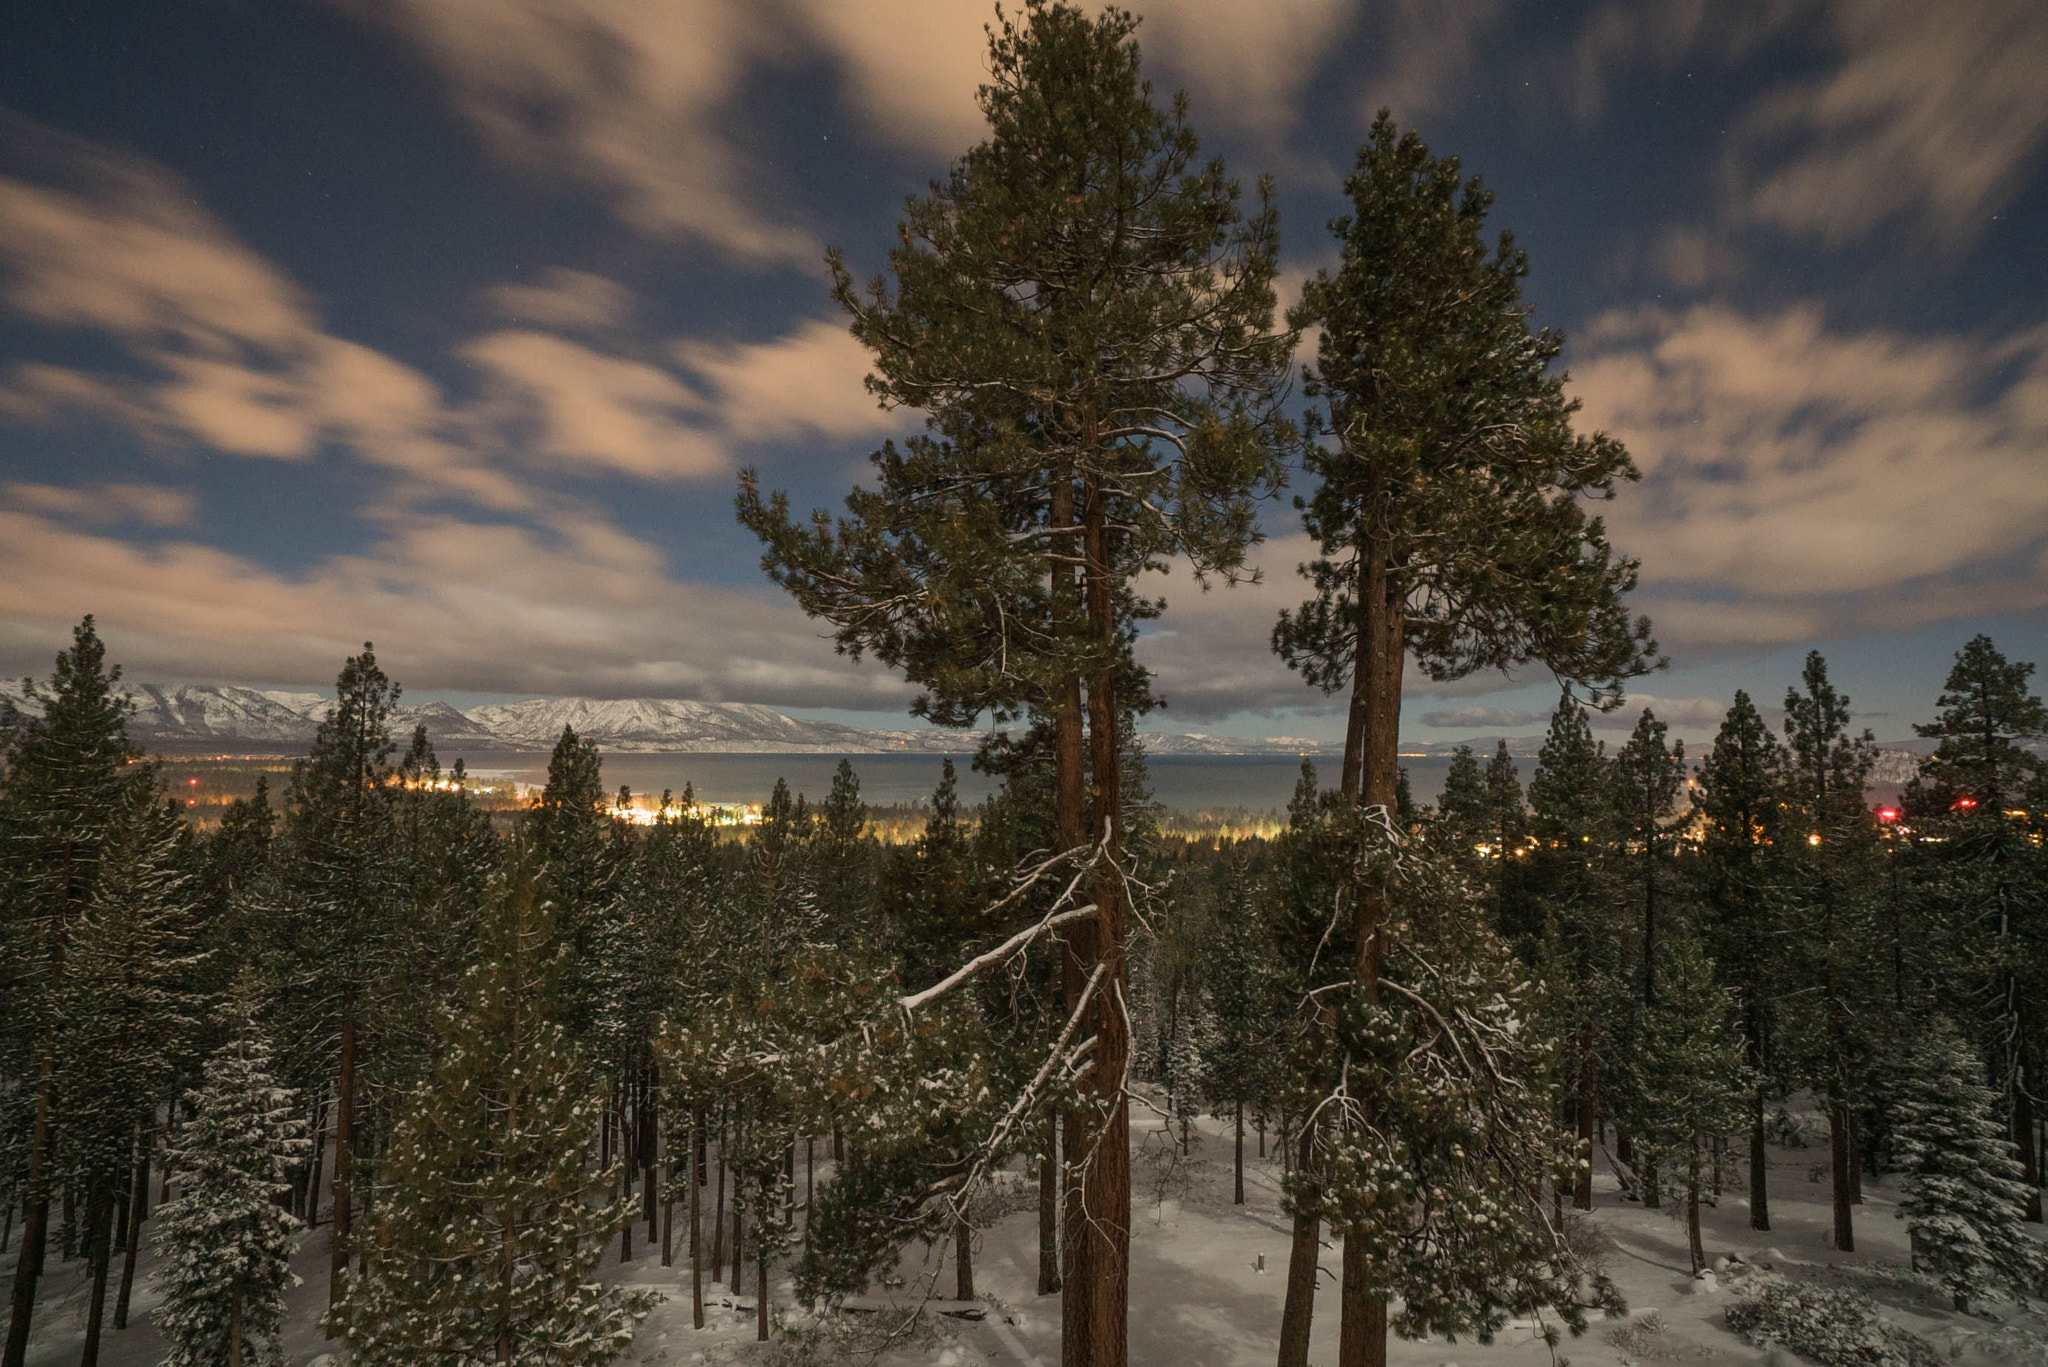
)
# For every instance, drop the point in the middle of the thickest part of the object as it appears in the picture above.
(207, 717)
(200, 717)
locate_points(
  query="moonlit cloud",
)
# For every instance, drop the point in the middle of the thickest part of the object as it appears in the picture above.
(563, 298)
(622, 95)
(517, 444)
(1928, 121)
(575, 406)
(1793, 464)
(1920, 117)
(1427, 54)
(91, 238)
(152, 505)
(573, 606)
(1472, 718)
(1680, 714)
(236, 358)
(640, 99)
(809, 382)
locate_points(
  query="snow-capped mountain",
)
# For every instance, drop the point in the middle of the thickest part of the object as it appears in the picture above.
(195, 716)
(663, 725)
(224, 712)
(200, 715)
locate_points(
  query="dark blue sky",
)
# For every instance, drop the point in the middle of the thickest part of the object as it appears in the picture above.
(447, 323)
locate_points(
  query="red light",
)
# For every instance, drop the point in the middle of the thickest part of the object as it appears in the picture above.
(191, 802)
(193, 781)
(1887, 813)
(1966, 802)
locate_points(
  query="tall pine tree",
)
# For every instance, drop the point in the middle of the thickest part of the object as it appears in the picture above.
(1103, 392)
(1448, 510)
(68, 782)
(1833, 888)
(1983, 793)
(493, 1217)
(1965, 1197)
(1738, 879)
(224, 1244)
(340, 896)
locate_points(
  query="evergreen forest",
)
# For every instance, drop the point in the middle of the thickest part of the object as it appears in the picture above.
(494, 1062)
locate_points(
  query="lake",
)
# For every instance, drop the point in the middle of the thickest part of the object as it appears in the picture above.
(1183, 782)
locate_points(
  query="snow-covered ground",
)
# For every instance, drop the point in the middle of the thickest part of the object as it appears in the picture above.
(1200, 1299)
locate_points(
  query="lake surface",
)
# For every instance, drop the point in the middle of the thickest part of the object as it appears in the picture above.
(1183, 782)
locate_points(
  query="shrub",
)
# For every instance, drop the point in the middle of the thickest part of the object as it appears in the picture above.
(1836, 1328)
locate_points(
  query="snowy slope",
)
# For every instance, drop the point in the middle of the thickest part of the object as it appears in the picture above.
(1207, 1279)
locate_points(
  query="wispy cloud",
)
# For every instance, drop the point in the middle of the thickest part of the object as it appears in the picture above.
(571, 606)
(152, 505)
(639, 100)
(626, 97)
(811, 381)
(1927, 121)
(1917, 118)
(234, 354)
(563, 298)
(1464, 718)
(237, 361)
(1426, 53)
(1799, 479)
(1683, 714)
(571, 405)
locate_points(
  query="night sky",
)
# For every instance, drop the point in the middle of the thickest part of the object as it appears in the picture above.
(447, 324)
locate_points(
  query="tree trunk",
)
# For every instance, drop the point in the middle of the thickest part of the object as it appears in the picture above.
(1237, 1195)
(100, 1256)
(138, 1202)
(319, 1157)
(35, 1220)
(760, 1295)
(668, 1221)
(1692, 1212)
(344, 1158)
(1589, 1087)
(1838, 1153)
(1106, 1173)
(623, 1099)
(963, 1259)
(697, 1236)
(1298, 1312)
(1362, 1330)
(1759, 1167)
(718, 1221)
(650, 1153)
(1049, 1206)
(1070, 823)
(739, 1242)
(163, 1190)
(1855, 1160)
(2030, 1152)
